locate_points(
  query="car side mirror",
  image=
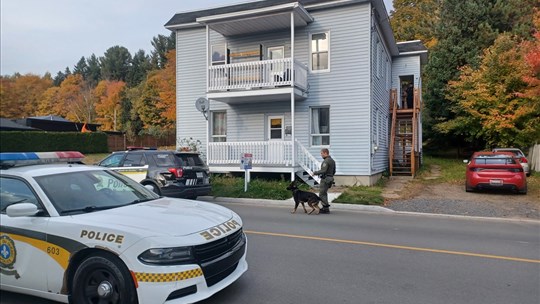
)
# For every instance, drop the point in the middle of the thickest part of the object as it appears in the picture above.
(22, 209)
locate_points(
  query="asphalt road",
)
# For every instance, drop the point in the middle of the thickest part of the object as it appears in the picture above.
(362, 257)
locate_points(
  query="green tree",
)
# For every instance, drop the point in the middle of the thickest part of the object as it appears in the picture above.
(131, 122)
(140, 65)
(61, 76)
(81, 68)
(465, 29)
(94, 71)
(115, 64)
(416, 20)
(162, 44)
(489, 102)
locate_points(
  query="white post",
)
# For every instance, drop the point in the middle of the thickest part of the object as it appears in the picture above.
(207, 85)
(293, 158)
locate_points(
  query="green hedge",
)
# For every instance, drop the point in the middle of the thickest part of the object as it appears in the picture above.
(14, 141)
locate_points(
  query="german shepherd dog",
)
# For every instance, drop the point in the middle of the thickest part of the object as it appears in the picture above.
(301, 197)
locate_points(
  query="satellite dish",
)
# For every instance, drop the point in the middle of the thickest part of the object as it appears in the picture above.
(202, 106)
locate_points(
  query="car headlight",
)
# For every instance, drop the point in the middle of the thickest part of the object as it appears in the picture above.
(168, 256)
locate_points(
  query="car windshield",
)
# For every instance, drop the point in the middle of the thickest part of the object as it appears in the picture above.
(88, 191)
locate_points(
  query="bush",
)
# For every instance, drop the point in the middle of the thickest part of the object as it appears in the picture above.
(14, 141)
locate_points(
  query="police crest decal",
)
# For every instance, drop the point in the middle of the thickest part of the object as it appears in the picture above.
(8, 255)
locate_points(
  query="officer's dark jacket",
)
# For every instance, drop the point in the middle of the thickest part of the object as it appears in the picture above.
(328, 167)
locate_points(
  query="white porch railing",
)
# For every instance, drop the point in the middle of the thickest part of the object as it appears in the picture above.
(307, 161)
(266, 153)
(257, 74)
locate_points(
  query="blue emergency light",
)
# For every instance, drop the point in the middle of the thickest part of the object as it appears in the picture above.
(11, 159)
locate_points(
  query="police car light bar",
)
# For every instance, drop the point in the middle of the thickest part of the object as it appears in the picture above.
(11, 159)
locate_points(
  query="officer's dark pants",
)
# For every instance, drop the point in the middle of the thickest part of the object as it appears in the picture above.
(323, 190)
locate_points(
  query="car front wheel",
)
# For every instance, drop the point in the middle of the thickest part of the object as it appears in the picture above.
(102, 278)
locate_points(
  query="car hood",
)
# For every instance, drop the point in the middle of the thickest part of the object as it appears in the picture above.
(161, 217)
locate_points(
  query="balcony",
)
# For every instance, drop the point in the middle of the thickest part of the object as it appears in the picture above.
(266, 79)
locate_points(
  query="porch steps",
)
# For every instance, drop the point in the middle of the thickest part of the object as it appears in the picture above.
(307, 178)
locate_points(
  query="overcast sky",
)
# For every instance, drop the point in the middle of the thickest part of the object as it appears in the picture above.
(39, 36)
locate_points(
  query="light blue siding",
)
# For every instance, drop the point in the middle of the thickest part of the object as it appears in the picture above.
(346, 89)
(381, 74)
(190, 84)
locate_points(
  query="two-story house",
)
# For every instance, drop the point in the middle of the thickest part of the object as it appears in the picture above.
(282, 79)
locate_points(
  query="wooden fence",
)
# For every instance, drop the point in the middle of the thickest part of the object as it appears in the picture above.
(119, 142)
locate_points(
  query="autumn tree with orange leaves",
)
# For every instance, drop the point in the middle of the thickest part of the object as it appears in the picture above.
(109, 95)
(499, 103)
(21, 94)
(156, 105)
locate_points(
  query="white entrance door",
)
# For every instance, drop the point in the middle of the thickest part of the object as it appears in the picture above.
(276, 69)
(276, 134)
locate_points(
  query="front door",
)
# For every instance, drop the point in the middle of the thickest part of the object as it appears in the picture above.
(276, 69)
(276, 134)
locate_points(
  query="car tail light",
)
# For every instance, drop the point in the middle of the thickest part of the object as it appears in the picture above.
(474, 169)
(523, 160)
(178, 172)
(516, 170)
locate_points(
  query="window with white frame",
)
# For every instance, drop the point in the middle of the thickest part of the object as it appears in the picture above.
(320, 51)
(388, 74)
(376, 127)
(219, 54)
(219, 126)
(320, 126)
(378, 55)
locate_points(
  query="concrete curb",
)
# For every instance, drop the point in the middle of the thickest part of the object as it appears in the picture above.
(289, 203)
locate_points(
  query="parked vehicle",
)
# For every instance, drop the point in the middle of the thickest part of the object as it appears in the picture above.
(74, 233)
(520, 155)
(495, 170)
(168, 173)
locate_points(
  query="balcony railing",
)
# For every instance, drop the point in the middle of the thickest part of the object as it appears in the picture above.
(257, 74)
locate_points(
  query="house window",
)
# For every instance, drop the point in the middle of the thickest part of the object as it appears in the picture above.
(219, 126)
(320, 126)
(320, 55)
(378, 55)
(388, 74)
(219, 54)
(376, 128)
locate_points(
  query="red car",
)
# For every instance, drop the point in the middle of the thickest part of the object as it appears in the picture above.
(495, 170)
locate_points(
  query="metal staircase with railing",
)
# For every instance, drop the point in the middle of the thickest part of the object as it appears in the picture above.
(404, 156)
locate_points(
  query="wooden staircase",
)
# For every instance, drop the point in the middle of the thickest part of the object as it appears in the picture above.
(404, 157)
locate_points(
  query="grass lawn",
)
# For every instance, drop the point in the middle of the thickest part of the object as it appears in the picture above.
(451, 171)
(91, 159)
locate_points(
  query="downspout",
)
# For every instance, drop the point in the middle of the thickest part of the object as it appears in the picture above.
(293, 158)
(372, 30)
(207, 79)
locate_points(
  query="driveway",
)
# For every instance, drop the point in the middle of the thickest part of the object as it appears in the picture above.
(447, 198)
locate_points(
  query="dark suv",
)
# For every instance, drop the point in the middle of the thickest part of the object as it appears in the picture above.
(169, 173)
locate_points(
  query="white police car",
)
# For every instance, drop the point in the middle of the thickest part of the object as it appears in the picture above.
(85, 234)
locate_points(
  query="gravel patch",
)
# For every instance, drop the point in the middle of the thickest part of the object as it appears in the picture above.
(460, 207)
(452, 199)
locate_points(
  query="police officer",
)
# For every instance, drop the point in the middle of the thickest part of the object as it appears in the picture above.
(328, 169)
